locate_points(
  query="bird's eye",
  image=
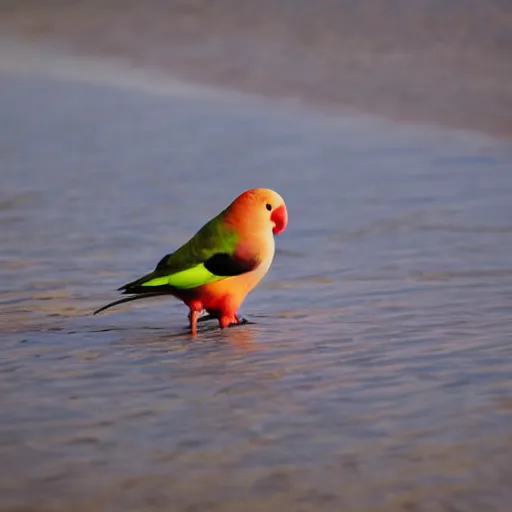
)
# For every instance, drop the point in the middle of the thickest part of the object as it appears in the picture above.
(269, 207)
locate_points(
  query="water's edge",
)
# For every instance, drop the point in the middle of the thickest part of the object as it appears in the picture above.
(414, 62)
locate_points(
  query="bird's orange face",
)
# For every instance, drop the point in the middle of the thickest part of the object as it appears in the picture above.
(259, 208)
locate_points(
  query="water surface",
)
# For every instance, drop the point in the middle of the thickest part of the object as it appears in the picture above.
(377, 375)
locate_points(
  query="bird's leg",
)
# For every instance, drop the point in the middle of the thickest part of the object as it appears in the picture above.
(192, 316)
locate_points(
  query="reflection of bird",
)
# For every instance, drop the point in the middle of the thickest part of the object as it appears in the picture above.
(221, 263)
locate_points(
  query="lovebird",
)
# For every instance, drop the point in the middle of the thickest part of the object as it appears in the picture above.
(221, 263)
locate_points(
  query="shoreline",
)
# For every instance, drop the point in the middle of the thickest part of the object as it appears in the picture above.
(450, 75)
(53, 60)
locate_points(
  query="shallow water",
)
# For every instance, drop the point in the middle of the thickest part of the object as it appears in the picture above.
(377, 374)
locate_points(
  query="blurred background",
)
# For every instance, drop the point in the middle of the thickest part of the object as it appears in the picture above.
(377, 373)
(425, 60)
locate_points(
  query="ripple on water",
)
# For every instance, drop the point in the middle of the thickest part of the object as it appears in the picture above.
(376, 374)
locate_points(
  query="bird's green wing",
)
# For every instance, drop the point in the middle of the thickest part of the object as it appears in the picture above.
(208, 256)
(218, 266)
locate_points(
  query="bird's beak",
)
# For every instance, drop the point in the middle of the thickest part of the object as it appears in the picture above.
(280, 219)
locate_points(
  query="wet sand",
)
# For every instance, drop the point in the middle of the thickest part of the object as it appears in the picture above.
(422, 60)
(377, 375)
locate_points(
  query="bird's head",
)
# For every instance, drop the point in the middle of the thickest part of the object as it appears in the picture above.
(259, 208)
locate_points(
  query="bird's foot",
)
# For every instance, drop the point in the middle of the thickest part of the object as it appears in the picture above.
(241, 321)
(232, 321)
(197, 317)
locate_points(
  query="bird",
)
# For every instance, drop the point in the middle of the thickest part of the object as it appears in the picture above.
(216, 269)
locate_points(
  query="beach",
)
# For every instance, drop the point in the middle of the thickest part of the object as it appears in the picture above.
(423, 60)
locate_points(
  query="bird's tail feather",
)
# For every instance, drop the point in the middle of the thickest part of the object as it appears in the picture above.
(136, 286)
(129, 299)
